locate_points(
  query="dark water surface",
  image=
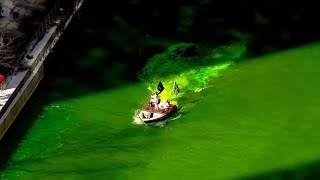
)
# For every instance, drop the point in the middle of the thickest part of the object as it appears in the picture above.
(258, 119)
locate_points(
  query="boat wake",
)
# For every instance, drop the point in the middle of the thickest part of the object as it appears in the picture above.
(136, 119)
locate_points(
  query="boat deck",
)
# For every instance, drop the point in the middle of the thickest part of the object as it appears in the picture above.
(149, 108)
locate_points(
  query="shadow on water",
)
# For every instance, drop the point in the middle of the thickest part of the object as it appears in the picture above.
(106, 148)
(67, 77)
(83, 62)
(19, 128)
(305, 171)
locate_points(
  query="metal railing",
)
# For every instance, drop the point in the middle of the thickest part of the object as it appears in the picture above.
(52, 16)
(49, 21)
(44, 26)
(42, 29)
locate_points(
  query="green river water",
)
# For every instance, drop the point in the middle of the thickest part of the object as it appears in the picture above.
(259, 118)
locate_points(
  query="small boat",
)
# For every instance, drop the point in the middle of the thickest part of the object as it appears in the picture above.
(152, 116)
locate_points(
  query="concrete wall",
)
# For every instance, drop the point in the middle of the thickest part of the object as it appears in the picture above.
(31, 78)
(20, 98)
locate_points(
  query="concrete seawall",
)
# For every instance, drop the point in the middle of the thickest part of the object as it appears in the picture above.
(21, 85)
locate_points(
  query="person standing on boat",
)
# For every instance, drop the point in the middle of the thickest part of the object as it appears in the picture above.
(155, 100)
(164, 105)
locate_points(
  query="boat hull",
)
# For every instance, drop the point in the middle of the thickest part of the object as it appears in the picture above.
(149, 115)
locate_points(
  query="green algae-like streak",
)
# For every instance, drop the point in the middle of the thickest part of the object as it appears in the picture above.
(190, 73)
(259, 120)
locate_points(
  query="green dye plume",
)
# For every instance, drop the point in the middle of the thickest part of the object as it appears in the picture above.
(190, 66)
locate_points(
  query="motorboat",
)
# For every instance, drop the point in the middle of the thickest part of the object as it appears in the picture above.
(151, 115)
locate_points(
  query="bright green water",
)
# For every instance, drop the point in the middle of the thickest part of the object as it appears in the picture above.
(261, 117)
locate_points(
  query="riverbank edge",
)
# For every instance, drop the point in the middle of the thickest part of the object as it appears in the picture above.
(23, 83)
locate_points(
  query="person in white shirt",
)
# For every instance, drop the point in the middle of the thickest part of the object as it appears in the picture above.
(164, 105)
(155, 100)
